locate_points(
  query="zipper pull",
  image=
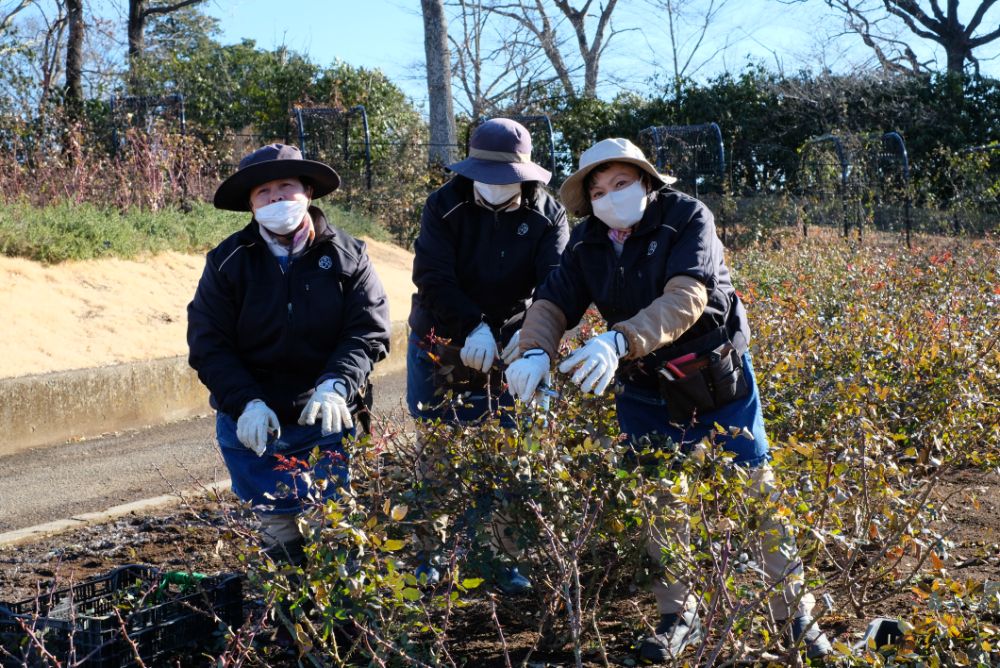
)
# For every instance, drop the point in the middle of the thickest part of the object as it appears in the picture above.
(289, 310)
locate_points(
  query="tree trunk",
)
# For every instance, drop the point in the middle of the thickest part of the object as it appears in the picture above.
(136, 40)
(957, 56)
(74, 58)
(442, 115)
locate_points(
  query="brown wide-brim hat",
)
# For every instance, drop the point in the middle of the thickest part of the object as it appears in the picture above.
(572, 192)
(274, 161)
(500, 153)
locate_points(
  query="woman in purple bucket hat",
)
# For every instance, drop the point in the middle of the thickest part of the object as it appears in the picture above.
(488, 238)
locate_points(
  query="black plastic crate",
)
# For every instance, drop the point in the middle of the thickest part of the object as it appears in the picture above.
(82, 625)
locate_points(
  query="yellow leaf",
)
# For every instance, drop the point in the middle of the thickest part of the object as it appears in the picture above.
(471, 583)
(399, 512)
(393, 545)
(936, 562)
(843, 648)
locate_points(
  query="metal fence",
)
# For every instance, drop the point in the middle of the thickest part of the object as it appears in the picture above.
(855, 182)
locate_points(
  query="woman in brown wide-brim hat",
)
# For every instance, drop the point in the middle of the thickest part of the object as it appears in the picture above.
(676, 350)
(286, 324)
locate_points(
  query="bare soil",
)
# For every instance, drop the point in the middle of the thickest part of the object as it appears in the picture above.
(78, 315)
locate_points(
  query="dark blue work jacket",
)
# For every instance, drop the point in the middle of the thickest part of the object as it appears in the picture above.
(676, 237)
(474, 265)
(256, 331)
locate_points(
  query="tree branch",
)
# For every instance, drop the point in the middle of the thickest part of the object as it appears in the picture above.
(166, 9)
(5, 21)
(978, 17)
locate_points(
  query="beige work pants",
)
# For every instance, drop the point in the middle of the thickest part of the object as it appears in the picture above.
(773, 548)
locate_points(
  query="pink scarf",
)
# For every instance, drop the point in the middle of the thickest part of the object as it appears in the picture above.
(619, 236)
(300, 239)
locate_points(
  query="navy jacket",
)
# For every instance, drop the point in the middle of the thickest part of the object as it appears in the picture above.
(258, 332)
(473, 265)
(675, 237)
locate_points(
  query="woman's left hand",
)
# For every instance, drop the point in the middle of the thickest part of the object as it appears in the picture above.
(596, 362)
(329, 402)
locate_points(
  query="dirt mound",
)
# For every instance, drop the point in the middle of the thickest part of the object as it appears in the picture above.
(85, 314)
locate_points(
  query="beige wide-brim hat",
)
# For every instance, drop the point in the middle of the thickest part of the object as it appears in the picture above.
(572, 193)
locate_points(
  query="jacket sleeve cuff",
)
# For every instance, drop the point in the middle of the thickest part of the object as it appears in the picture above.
(544, 326)
(668, 316)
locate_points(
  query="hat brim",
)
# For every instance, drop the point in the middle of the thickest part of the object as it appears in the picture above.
(577, 201)
(234, 193)
(500, 173)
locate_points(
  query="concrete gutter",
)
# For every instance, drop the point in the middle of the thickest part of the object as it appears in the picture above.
(53, 408)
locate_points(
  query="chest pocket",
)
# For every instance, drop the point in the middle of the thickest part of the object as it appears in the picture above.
(319, 300)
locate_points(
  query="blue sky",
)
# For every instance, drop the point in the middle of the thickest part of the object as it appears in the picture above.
(388, 34)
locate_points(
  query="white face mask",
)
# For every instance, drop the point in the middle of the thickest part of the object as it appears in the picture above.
(497, 194)
(623, 208)
(282, 217)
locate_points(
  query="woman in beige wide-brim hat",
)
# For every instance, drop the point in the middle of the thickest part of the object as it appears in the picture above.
(677, 345)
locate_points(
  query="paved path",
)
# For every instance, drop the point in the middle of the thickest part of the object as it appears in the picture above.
(69, 480)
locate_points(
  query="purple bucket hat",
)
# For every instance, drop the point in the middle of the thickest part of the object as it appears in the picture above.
(500, 153)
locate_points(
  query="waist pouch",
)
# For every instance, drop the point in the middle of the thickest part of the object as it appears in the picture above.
(710, 378)
(451, 374)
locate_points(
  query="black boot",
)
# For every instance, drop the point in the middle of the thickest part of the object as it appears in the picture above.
(675, 633)
(291, 552)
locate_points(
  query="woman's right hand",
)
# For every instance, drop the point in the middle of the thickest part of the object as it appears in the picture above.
(254, 424)
(524, 374)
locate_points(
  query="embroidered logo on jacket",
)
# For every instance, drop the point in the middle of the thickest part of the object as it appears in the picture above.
(522, 229)
(325, 262)
(652, 248)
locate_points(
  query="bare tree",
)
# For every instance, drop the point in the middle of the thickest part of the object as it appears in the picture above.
(139, 12)
(926, 19)
(442, 115)
(496, 63)
(542, 19)
(687, 24)
(48, 53)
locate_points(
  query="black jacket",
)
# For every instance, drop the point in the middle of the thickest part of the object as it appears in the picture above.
(473, 265)
(258, 332)
(675, 237)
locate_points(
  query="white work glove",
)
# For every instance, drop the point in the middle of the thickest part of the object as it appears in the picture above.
(524, 375)
(330, 402)
(597, 361)
(254, 424)
(511, 351)
(480, 349)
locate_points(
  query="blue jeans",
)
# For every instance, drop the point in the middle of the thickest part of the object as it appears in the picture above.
(644, 413)
(253, 477)
(426, 401)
